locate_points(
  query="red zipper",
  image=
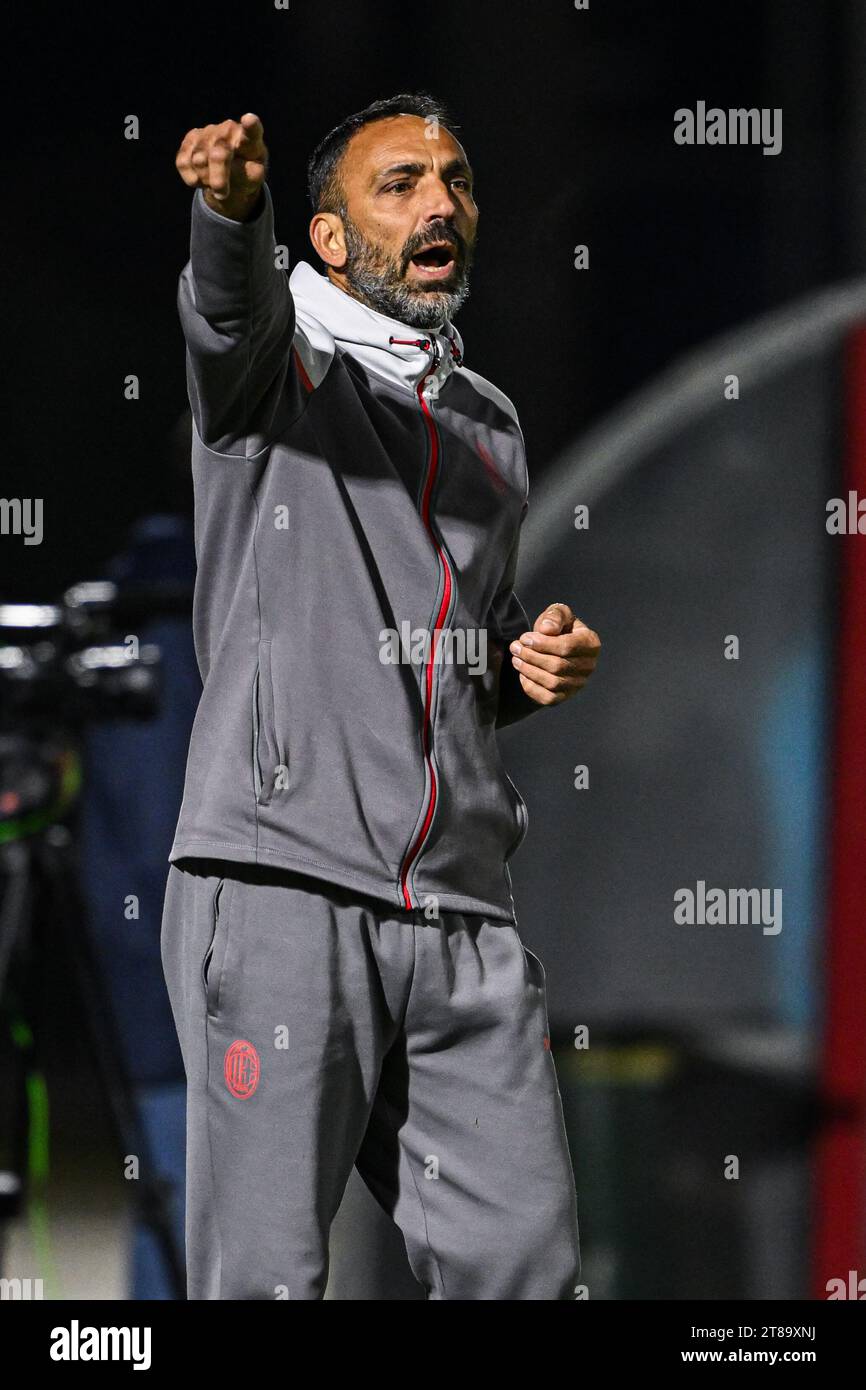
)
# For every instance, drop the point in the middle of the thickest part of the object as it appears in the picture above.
(414, 849)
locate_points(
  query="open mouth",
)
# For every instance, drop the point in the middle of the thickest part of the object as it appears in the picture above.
(435, 261)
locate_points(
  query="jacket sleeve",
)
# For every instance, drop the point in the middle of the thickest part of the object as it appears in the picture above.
(508, 620)
(238, 320)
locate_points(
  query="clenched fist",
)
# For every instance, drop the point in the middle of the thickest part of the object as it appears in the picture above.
(228, 162)
(557, 658)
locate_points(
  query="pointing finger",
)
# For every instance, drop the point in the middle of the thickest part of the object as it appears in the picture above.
(249, 139)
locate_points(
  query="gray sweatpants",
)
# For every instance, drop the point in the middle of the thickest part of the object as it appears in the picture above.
(322, 1029)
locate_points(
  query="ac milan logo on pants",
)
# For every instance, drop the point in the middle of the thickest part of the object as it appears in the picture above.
(242, 1069)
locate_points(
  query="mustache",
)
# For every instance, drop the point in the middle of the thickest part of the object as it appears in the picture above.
(437, 231)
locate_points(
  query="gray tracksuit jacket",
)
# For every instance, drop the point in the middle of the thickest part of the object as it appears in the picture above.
(358, 500)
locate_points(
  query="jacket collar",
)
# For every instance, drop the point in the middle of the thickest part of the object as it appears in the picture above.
(369, 336)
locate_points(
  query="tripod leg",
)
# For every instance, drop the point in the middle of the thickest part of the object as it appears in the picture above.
(66, 910)
(15, 911)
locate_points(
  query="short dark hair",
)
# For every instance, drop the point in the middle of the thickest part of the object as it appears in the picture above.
(324, 184)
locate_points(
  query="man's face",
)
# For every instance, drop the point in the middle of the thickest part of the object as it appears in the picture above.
(406, 242)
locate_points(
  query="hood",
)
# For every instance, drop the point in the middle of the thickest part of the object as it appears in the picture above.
(370, 336)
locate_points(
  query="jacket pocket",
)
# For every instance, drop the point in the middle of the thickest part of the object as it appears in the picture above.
(535, 966)
(521, 816)
(213, 965)
(267, 766)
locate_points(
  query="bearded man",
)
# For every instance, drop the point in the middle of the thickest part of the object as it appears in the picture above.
(339, 936)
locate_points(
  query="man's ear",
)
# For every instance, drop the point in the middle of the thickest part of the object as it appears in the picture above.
(329, 239)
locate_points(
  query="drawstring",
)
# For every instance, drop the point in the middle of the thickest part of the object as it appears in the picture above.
(426, 345)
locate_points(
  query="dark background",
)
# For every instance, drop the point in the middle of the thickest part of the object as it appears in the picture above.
(699, 769)
(567, 117)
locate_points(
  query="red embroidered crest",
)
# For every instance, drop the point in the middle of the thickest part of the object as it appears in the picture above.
(242, 1069)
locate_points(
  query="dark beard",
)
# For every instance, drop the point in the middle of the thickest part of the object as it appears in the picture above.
(377, 280)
